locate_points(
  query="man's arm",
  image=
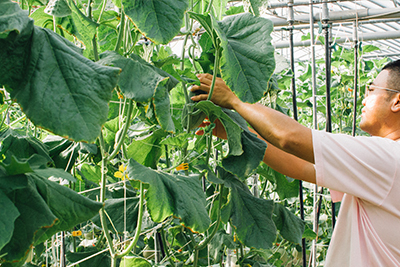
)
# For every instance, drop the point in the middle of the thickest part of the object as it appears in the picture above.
(278, 129)
(288, 164)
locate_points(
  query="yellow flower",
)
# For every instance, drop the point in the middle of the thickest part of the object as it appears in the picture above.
(77, 233)
(120, 173)
(183, 167)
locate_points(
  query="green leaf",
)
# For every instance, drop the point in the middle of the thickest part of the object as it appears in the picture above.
(63, 151)
(22, 146)
(247, 60)
(207, 23)
(253, 153)
(54, 173)
(92, 173)
(8, 214)
(158, 20)
(179, 140)
(219, 242)
(250, 216)
(69, 207)
(58, 8)
(138, 79)
(86, 28)
(45, 208)
(253, 150)
(133, 261)
(168, 195)
(309, 234)
(289, 225)
(284, 187)
(15, 166)
(147, 151)
(257, 6)
(34, 215)
(12, 18)
(57, 88)
(116, 209)
(369, 48)
(233, 130)
(233, 10)
(162, 107)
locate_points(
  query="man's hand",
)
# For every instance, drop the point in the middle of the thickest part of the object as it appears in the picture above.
(222, 95)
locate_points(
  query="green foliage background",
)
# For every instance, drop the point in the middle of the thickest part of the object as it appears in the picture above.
(98, 135)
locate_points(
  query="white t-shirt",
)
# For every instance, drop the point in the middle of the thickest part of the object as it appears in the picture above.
(367, 171)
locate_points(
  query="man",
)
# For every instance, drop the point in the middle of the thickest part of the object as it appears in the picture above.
(365, 169)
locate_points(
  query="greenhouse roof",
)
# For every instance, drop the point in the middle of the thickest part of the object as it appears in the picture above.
(376, 22)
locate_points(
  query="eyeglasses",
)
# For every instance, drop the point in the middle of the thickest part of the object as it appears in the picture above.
(370, 87)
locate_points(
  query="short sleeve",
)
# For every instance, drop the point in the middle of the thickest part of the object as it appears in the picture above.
(364, 167)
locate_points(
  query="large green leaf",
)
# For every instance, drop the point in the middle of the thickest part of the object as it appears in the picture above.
(168, 195)
(147, 151)
(289, 225)
(57, 88)
(246, 151)
(63, 151)
(116, 210)
(12, 18)
(34, 215)
(138, 79)
(253, 153)
(158, 20)
(8, 214)
(22, 147)
(69, 207)
(45, 208)
(250, 216)
(247, 60)
(162, 107)
(253, 150)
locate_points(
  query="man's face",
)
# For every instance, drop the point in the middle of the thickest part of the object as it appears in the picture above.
(376, 107)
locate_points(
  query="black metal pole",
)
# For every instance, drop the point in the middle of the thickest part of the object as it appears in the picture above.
(355, 78)
(294, 101)
(328, 99)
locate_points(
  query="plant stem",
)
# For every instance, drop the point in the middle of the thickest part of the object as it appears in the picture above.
(5, 116)
(102, 196)
(132, 245)
(216, 68)
(95, 50)
(205, 242)
(166, 155)
(196, 258)
(120, 31)
(125, 129)
(209, 6)
(102, 10)
(183, 67)
(89, 9)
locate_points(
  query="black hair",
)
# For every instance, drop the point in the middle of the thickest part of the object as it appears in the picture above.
(394, 74)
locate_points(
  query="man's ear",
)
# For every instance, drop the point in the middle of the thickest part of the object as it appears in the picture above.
(396, 103)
